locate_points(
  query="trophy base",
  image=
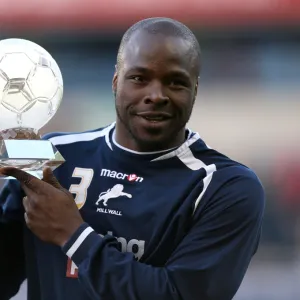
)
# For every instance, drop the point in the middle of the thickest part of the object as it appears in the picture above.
(31, 156)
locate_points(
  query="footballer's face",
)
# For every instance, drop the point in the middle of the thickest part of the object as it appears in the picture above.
(155, 86)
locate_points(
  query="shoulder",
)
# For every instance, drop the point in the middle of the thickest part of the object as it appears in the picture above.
(229, 183)
(236, 184)
(225, 166)
(234, 195)
(69, 138)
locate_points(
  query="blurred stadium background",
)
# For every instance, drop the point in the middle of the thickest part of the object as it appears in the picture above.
(248, 104)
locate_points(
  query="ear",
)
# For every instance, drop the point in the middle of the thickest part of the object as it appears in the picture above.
(115, 81)
(196, 88)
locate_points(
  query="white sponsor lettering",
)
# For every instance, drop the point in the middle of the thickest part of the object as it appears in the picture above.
(137, 247)
(122, 176)
(109, 211)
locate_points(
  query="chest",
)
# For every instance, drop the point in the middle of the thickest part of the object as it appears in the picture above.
(147, 208)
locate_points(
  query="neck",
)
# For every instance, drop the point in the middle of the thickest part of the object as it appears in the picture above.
(125, 138)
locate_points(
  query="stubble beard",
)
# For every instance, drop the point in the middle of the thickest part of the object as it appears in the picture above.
(150, 145)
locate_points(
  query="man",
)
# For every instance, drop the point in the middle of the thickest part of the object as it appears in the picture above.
(157, 213)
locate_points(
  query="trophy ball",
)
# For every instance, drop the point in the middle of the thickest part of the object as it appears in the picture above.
(31, 86)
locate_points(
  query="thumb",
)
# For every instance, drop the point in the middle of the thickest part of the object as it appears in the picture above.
(49, 177)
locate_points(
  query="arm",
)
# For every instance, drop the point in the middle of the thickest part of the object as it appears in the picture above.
(208, 264)
(12, 261)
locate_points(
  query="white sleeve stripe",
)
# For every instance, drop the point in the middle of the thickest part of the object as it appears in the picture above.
(79, 241)
(188, 158)
(206, 181)
(80, 137)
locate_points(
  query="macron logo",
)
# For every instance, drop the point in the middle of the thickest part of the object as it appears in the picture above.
(122, 176)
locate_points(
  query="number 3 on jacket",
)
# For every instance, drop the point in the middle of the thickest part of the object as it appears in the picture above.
(80, 190)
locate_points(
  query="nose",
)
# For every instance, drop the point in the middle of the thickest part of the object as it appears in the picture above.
(156, 95)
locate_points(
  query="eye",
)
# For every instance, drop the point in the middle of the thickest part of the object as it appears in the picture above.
(178, 83)
(137, 78)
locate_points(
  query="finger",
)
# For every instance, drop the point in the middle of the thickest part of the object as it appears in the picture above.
(49, 177)
(29, 192)
(26, 203)
(26, 217)
(25, 179)
(27, 220)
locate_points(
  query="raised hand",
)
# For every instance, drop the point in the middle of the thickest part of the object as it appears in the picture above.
(50, 210)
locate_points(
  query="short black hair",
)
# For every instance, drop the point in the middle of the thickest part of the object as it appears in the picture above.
(167, 26)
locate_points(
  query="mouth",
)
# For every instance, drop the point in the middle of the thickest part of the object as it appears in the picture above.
(155, 117)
